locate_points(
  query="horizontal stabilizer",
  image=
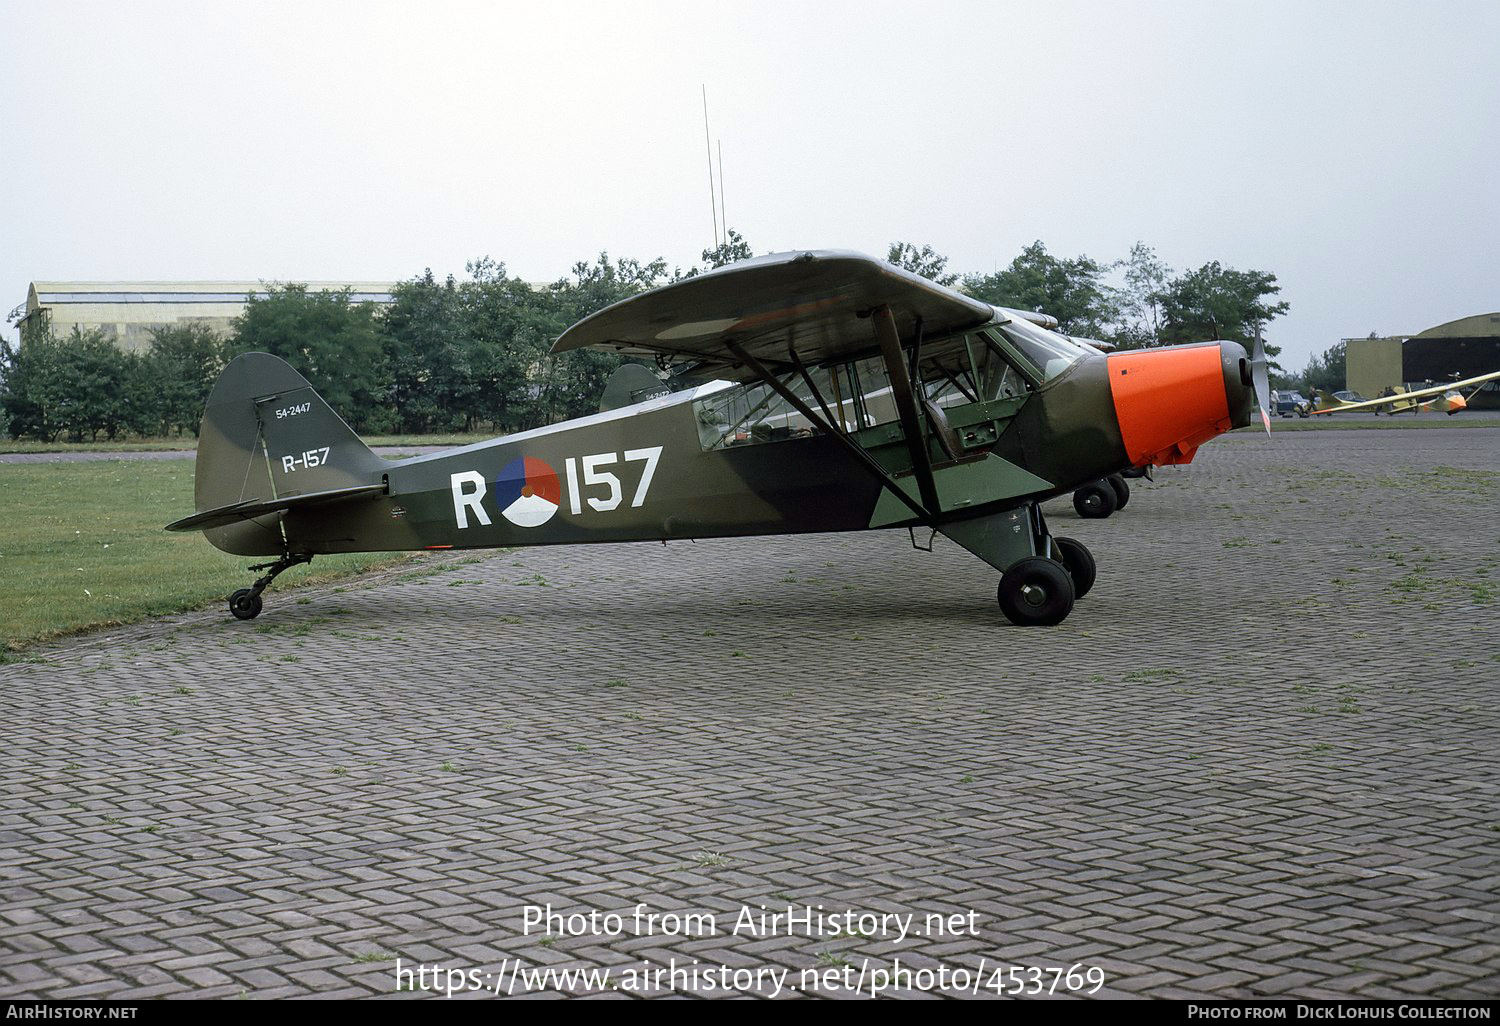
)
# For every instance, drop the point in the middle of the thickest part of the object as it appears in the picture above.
(252, 508)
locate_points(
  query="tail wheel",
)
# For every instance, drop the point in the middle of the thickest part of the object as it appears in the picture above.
(1035, 592)
(245, 604)
(1079, 562)
(1094, 501)
(1122, 490)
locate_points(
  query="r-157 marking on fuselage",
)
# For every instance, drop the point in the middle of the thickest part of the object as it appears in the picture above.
(592, 475)
(469, 487)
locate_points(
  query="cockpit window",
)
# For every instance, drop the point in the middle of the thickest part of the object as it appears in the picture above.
(1051, 353)
(969, 368)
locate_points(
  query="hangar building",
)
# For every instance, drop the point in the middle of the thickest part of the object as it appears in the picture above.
(1464, 348)
(126, 311)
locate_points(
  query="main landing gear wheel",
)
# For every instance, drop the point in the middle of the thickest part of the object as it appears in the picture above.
(1122, 490)
(1035, 592)
(1095, 500)
(245, 604)
(1079, 562)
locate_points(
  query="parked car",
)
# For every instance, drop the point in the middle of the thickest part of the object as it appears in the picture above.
(1286, 404)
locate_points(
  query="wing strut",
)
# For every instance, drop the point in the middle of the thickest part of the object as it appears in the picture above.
(791, 352)
(906, 405)
(849, 444)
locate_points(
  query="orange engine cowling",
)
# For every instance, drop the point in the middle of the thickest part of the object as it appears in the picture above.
(1171, 400)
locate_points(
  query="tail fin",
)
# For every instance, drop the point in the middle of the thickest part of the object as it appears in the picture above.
(631, 383)
(267, 437)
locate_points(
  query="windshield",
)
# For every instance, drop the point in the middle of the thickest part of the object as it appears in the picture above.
(1051, 353)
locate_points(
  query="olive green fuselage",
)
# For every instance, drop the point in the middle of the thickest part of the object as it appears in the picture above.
(642, 474)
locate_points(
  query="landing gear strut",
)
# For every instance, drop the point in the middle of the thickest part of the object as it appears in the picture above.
(245, 604)
(1040, 575)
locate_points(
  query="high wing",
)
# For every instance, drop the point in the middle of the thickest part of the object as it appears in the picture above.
(1404, 397)
(817, 301)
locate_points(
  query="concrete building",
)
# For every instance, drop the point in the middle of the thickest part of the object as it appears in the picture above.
(1464, 348)
(126, 311)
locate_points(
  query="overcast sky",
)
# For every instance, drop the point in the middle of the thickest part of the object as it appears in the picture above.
(1351, 149)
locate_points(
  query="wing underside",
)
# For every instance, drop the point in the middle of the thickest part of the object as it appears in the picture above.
(819, 302)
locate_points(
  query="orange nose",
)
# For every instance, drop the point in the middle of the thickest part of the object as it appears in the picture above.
(1170, 401)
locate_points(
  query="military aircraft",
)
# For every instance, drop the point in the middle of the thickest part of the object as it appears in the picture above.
(841, 393)
(1447, 399)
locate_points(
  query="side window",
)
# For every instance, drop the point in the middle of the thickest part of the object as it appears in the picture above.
(998, 378)
(745, 415)
(970, 368)
(856, 395)
(752, 414)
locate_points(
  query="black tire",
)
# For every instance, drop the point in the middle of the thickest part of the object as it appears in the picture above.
(1035, 592)
(245, 604)
(1094, 501)
(1079, 562)
(1122, 491)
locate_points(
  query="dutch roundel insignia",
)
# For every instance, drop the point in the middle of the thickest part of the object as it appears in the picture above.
(527, 492)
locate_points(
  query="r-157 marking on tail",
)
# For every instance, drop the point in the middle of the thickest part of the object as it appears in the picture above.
(305, 460)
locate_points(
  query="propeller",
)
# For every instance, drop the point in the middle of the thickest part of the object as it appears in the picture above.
(1260, 376)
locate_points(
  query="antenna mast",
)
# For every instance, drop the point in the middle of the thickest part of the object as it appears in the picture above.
(708, 144)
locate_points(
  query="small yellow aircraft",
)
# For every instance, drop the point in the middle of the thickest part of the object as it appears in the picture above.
(1447, 399)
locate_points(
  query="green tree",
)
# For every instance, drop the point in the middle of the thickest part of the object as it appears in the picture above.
(1140, 312)
(137, 410)
(184, 361)
(77, 386)
(32, 388)
(733, 249)
(426, 355)
(572, 383)
(103, 386)
(1327, 370)
(504, 342)
(333, 341)
(926, 261)
(1073, 290)
(1218, 302)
